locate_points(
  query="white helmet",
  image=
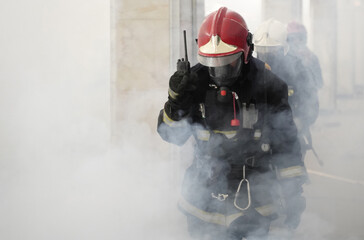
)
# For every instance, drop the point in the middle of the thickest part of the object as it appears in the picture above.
(270, 35)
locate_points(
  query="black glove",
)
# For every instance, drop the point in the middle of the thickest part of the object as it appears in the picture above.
(182, 86)
(294, 209)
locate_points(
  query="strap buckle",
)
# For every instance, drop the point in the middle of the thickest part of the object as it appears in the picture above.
(221, 197)
(250, 161)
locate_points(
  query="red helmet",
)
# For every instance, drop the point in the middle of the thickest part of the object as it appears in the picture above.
(223, 37)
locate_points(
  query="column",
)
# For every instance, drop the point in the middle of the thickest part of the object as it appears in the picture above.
(324, 38)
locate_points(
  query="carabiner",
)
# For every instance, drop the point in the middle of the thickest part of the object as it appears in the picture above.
(238, 190)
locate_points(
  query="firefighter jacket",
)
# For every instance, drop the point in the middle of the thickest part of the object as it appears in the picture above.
(236, 169)
(302, 89)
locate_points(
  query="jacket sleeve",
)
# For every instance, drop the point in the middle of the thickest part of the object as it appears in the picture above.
(287, 159)
(286, 151)
(173, 131)
(175, 126)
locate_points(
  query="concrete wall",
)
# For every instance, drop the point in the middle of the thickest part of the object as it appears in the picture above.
(140, 61)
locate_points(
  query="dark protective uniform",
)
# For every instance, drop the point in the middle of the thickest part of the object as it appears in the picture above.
(232, 188)
(311, 63)
(302, 92)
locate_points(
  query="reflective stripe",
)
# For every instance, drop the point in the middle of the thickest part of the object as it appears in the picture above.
(257, 134)
(171, 123)
(204, 135)
(266, 210)
(221, 219)
(291, 172)
(172, 93)
(228, 134)
(211, 217)
(167, 119)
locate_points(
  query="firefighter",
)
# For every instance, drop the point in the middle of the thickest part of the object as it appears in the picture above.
(271, 46)
(297, 40)
(246, 143)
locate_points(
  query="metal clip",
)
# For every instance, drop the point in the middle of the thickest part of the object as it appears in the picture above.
(212, 86)
(250, 161)
(250, 115)
(248, 191)
(202, 110)
(221, 197)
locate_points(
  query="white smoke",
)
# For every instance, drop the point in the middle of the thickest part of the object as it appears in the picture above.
(59, 177)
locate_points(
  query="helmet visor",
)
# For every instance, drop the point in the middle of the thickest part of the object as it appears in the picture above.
(218, 61)
(227, 74)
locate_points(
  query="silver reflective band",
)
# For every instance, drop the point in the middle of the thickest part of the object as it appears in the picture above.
(167, 120)
(257, 134)
(221, 219)
(266, 210)
(210, 217)
(172, 93)
(218, 61)
(294, 171)
(204, 135)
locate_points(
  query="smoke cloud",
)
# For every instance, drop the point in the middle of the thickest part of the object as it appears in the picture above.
(60, 178)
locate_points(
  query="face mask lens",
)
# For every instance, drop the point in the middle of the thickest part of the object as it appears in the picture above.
(227, 74)
(221, 72)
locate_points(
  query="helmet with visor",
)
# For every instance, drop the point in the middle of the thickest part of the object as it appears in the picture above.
(224, 44)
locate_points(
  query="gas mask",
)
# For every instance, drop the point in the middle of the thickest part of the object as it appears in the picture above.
(226, 75)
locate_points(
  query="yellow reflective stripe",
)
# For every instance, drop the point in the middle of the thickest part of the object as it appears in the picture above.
(216, 218)
(294, 171)
(228, 134)
(172, 123)
(266, 210)
(167, 119)
(203, 135)
(172, 93)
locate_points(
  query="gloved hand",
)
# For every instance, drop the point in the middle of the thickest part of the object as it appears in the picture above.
(294, 209)
(182, 86)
